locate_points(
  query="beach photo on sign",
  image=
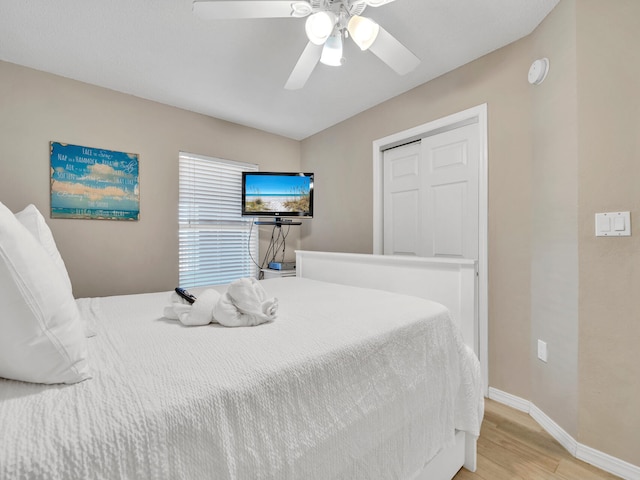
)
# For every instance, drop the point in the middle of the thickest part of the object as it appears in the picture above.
(92, 183)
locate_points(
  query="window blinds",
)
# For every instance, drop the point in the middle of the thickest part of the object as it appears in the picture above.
(215, 241)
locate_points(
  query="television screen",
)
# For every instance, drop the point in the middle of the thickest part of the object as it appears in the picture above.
(277, 194)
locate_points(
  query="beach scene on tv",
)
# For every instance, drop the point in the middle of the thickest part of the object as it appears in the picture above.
(277, 193)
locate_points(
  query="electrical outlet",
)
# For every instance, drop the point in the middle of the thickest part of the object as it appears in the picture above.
(542, 350)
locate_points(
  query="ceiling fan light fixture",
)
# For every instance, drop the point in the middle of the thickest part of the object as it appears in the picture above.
(300, 9)
(332, 50)
(319, 27)
(363, 31)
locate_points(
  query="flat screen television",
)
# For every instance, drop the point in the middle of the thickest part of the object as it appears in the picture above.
(277, 194)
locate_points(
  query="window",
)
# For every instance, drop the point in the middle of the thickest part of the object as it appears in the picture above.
(215, 241)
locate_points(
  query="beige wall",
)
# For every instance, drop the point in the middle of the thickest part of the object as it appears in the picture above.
(609, 181)
(554, 221)
(111, 257)
(549, 172)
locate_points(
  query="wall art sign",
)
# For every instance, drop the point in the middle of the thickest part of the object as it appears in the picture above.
(93, 183)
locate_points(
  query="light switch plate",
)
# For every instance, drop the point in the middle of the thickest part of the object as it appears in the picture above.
(542, 350)
(613, 224)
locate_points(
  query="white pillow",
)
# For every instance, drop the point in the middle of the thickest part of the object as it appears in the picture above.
(41, 334)
(33, 220)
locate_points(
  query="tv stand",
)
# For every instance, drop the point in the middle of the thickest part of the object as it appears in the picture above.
(268, 273)
(277, 222)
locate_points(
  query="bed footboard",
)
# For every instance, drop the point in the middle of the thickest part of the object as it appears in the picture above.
(452, 282)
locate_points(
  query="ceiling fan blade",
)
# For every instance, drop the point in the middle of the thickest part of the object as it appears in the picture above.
(377, 3)
(233, 9)
(303, 69)
(388, 49)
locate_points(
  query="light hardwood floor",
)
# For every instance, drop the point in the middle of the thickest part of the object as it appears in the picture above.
(513, 446)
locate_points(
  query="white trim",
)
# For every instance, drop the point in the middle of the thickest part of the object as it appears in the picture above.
(555, 430)
(608, 463)
(483, 245)
(479, 114)
(509, 400)
(582, 452)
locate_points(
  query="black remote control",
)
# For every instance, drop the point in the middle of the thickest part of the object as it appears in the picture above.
(185, 294)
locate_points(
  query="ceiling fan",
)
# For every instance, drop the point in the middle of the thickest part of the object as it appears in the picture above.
(328, 23)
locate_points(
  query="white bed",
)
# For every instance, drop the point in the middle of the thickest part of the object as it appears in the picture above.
(347, 383)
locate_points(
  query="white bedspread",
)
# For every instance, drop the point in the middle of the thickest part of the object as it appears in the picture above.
(346, 383)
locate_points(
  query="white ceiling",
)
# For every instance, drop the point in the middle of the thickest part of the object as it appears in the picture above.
(236, 69)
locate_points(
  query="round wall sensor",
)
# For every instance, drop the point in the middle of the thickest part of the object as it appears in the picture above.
(538, 71)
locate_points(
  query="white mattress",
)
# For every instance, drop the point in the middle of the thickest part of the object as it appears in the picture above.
(346, 383)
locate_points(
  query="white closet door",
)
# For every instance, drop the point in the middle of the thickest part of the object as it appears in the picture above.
(403, 200)
(451, 167)
(431, 196)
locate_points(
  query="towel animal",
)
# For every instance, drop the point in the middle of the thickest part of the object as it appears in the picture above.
(245, 303)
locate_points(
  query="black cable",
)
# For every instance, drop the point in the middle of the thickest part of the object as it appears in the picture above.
(280, 243)
(284, 241)
(271, 248)
(277, 246)
(260, 273)
(276, 242)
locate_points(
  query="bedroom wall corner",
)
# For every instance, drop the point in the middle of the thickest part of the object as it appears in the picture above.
(114, 257)
(554, 204)
(341, 156)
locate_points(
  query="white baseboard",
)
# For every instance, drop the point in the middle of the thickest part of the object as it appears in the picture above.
(587, 454)
(510, 400)
(608, 463)
(555, 430)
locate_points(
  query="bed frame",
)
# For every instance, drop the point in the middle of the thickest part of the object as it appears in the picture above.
(452, 282)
